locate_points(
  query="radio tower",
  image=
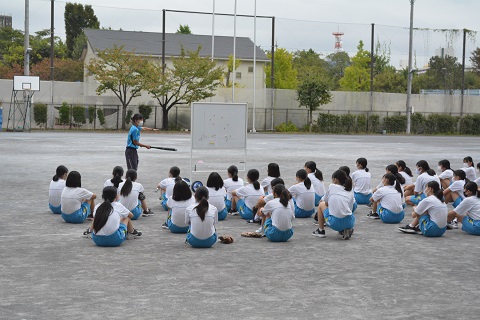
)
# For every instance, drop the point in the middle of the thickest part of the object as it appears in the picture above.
(338, 41)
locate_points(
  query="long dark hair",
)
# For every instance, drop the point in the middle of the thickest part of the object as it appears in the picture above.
(214, 181)
(393, 169)
(426, 168)
(181, 191)
(303, 175)
(276, 181)
(472, 187)
(282, 193)
(61, 170)
(253, 175)
(174, 172)
(117, 176)
(401, 164)
(273, 170)
(468, 159)
(444, 163)
(201, 196)
(233, 170)
(312, 166)
(105, 209)
(393, 181)
(344, 180)
(436, 189)
(345, 169)
(363, 163)
(130, 176)
(461, 174)
(74, 180)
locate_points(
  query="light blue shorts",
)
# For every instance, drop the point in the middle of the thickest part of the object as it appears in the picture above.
(198, 243)
(228, 204)
(355, 206)
(388, 216)
(430, 228)
(137, 211)
(174, 228)
(244, 211)
(56, 210)
(78, 216)
(339, 224)
(164, 201)
(457, 202)
(275, 235)
(301, 213)
(417, 199)
(317, 199)
(361, 198)
(113, 240)
(471, 226)
(222, 214)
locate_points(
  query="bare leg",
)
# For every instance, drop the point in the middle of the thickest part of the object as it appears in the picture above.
(445, 183)
(92, 205)
(449, 197)
(408, 190)
(374, 206)
(321, 219)
(234, 203)
(144, 205)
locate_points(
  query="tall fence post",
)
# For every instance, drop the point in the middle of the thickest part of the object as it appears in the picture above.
(265, 127)
(118, 114)
(286, 116)
(95, 117)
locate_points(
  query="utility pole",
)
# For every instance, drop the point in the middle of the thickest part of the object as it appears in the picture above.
(410, 70)
(26, 41)
(52, 37)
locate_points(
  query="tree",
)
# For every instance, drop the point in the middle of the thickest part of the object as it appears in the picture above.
(65, 70)
(312, 93)
(78, 17)
(336, 64)
(184, 29)
(390, 81)
(121, 72)
(308, 63)
(229, 71)
(475, 60)
(285, 75)
(357, 76)
(192, 78)
(40, 114)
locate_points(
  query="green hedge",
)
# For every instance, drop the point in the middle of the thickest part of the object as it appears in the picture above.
(346, 123)
(40, 114)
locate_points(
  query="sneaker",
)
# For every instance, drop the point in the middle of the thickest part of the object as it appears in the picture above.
(318, 233)
(408, 229)
(148, 212)
(373, 215)
(233, 213)
(254, 221)
(347, 234)
(165, 226)
(259, 230)
(134, 234)
(87, 233)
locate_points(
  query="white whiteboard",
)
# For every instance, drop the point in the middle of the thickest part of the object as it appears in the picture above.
(219, 125)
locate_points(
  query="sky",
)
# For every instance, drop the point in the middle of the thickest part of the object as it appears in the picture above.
(299, 24)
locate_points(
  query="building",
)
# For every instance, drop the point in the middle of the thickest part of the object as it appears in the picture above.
(149, 45)
(5, 21)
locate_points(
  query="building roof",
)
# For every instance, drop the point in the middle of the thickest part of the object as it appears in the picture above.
(150, 43)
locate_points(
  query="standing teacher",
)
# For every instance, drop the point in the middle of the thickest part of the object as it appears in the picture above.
(133, 141)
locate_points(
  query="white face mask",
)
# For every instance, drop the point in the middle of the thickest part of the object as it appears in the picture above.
(439, 168)
(418, 171)
(465, 165)
(140, 123)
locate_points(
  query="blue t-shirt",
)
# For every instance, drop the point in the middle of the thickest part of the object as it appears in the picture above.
(133, 134)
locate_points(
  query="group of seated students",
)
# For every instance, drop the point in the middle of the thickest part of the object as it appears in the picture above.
(274, 206)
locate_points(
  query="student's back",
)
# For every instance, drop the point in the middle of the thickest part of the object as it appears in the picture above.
(178, 211)
(131, 200)
(198, 228)
(281, 216)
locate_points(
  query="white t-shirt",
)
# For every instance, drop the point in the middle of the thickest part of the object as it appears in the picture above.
(305, 198)
(477, 181)
(217, 197)
(178, 210)
(282, 217)
(361, 181)
(390, 198)
(72, 199)
(470, 173)
(109, 183)
(113, 222)
(408, 179)
(250, 195)
(447, 174)
(198, 228)
(340, 202)
(457, 186)
(436, 209)
(318, 185)
(130, 201)
(231, 185)
(470, 207)
(266, 184)
(55, 192)
(422, 181)
(168, 185)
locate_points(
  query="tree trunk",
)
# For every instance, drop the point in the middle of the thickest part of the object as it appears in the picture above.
(311, 119)
(164, 118)
(124, 114)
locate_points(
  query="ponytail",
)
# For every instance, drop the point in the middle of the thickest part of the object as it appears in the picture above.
(253, 176)
(174, 171)
(393, 181)
(473, 188)
(344, 180)
(303, 175)
(117, 176)
(400, 178)
(128, 185)
(283, 194)
(61, 170)
(105, 209)
(312, 166)
(436, 190)
(233, 170)
(461, 174)
(201, 195)
(393, 169)
(403, 165)
(363, 163)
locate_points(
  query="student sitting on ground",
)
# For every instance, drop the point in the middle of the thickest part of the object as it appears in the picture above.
(469, 168)
(415, 193)
(405, 172)
(77, 203)
(117, 178)
(279, 215)
(232, 183)
(178, 203)
(303, 195)
(361, 182)
(132, 197)
(166, 185)
(454, 192)
(56, 188)
(468, 212)
(430, 216)
(202, 218)
(273, 171)
(388, 201)
(446, 176)
(217, 194)
(246, 197)
(316, 176)
(259, 218)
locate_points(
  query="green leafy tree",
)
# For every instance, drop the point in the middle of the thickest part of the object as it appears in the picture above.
(40, 114)
(77, 17)
(336, 64)
(390, 80)
(475, 60)
(101, 117)
(229, 70)
(308, 63)
(145, 110)
(192, 78)
(284, 73)
(65, 114)
(121, 72)
(312, 93)
(357, 75)
(184, 29)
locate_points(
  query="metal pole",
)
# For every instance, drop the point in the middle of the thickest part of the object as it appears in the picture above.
(26, 41)
(272, 71)
(372, 64)
(163, 43)
(463, 72)
(254, 64)
(52, 37)
(234, 50)
(213, 31)
(410, 70)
